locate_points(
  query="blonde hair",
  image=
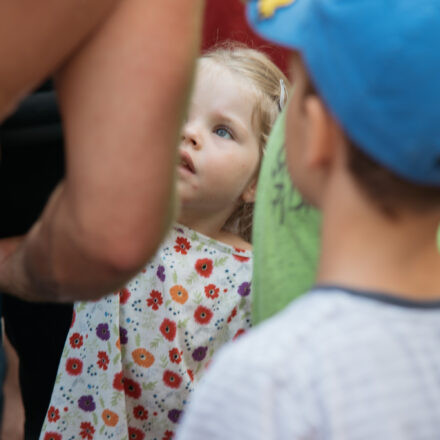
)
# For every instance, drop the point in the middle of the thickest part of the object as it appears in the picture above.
(270, 85)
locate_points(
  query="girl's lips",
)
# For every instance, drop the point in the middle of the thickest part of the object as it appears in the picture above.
(186, 162)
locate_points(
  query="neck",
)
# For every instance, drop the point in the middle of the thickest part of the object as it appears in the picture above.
(211, 225)
(363, 249)
(207, 223)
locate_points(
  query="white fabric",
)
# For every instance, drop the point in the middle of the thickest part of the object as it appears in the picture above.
(132, 360)
(333, 365)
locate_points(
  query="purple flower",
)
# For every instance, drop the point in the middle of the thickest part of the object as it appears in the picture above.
(103, 332)
(86, 403)
(123, 335)
(199, 353)
(174, 415)
(161, 273)
(244, 289)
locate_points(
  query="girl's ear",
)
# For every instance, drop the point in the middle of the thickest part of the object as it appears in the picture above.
(249, 194)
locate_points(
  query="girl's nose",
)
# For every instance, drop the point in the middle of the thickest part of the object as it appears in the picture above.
(190, 136)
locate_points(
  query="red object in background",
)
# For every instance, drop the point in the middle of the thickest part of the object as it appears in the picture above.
(226, 20)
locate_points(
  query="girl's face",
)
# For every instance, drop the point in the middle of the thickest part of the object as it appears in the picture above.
(219, 150)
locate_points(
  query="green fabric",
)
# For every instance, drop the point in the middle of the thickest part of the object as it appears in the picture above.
(285, 235)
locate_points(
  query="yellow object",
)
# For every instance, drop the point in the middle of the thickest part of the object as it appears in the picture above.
(268, 7)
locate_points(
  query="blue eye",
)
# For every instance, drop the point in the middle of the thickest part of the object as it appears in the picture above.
(223, 132)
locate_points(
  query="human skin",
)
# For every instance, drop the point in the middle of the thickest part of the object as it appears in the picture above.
(122, 95)
(37, 37)
(361, 247)
(221, 144)
(13, 412)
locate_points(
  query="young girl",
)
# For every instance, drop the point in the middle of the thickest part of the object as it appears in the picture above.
(132, 359)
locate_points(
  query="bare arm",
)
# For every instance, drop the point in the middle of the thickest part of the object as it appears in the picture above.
(37, 36)
(122, 98)
(13, 413)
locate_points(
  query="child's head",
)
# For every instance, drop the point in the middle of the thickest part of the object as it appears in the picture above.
(374, 65)
(237, 96)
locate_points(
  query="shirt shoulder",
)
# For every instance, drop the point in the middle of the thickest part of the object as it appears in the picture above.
(331, 350)
(297, 328)
(246, 391)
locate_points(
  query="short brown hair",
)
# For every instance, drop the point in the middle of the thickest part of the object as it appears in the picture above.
(390, 192)
(265, 77)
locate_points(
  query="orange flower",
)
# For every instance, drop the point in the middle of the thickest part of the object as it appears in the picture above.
(110, 418)
(143, 357)
(179, 294)
(118, 344)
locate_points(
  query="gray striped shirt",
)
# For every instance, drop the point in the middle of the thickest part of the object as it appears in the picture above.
(335, 364)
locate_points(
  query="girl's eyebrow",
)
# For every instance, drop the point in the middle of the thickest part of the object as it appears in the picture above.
(230, 119)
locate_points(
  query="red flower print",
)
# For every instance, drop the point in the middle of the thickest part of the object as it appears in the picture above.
(87, 431)
(52, 436)
(211, 291)
(76, 340)
(182, 245)
(140, 412)
(240, 332)
(241, 258)
(132, 388)
(135, 434)
(103, 360)
(203, 315)
(175, 355)
(168, 329)
(204, 267)
(124, 295)
(118, 382)
(74, 366)
(168, 435)
(191, 375)
(73, 319)
(155, 300)
(171, 379)
(232, 315)
(53, 414)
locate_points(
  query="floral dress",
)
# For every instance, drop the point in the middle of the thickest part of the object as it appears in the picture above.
(132, 359)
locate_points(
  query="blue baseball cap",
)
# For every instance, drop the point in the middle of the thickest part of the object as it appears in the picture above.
(376, 65)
